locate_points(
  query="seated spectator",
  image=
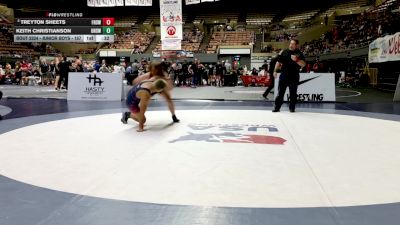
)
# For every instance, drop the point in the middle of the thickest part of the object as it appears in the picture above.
(356, 31)
(2, 75)
(254, 72)
(263, 72)
(104, 69)
(36, 72)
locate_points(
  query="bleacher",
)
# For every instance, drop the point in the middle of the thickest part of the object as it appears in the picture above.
(153, 18)
(51, 50)
(229, 38)
(357, 31)
(299, 19)
(349, 7)
(136, 41)
(192, 40)
(259, 18)
(209, 17)
(384, 6)
(122, 22)
(86, 51)
(9, 47)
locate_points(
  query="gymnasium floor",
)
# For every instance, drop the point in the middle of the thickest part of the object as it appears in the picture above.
(227, 162)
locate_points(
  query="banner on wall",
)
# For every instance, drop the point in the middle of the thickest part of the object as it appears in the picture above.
(313, 87)
(385, 49)
(95, 86)
(98, 3)
(145, 2)
(131, 2)
(91, 3)
(119, 2)
(191, 2)
(112, 3)
(171, 20)
(174, 44)
(104, 3)
(173, 54)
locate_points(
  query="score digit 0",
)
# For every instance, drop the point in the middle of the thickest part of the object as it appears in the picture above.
(108, 21)
(108, 30)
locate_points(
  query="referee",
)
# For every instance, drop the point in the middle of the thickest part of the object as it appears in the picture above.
(271, 70)
(290, 61)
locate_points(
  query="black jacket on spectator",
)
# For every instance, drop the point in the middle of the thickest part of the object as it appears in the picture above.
(64, 68)
(36, 73)
(219, 69)
(272, 66)
(44, 68)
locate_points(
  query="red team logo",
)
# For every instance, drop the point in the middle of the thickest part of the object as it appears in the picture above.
(171, 30)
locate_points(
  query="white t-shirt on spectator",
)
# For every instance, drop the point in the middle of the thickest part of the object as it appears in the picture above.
(119, 69)
(262, 73)
(228, 67)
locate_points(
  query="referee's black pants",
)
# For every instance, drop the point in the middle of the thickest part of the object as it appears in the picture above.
(283, 85)
(270, 87)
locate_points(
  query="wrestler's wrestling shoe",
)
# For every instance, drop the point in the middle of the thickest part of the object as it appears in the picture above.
(175, 119)
(125, 117)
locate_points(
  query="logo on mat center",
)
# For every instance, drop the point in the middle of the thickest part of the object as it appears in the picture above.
(232, 133)
(96, 80)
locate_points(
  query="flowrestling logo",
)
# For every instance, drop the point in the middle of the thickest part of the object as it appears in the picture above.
(232, 133)
(308, 97)
(307, 80)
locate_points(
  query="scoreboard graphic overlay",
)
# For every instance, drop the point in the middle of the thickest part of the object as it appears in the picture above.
(84, 30)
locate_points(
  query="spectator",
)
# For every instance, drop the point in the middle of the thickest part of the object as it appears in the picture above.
(65, 67)
(36, 72)
(228, 67)
(57, 65)
(317, 67)
(78, 64)
(45, 72)
(2, 74)
(265, 65)
(117, 68)
(356, 31)
(254, 72)
(326, 19)
(104, 69)
(97, 66)
(263, 72)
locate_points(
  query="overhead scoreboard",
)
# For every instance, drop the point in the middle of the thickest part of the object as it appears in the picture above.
(83, 30)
